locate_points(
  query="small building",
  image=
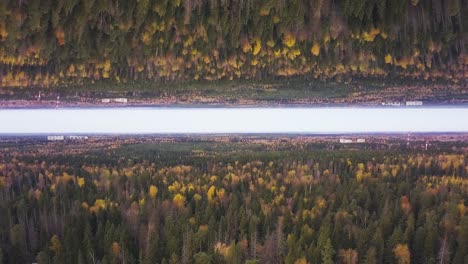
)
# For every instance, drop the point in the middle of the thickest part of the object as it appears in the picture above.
(115, 100)
(361, 140)
(78, 137)
(55, 138)
(120, 100)
(414, 103)
(391, 104)
(345, 141)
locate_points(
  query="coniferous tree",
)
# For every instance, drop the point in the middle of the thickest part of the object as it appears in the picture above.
(327, 252)
(461, 253)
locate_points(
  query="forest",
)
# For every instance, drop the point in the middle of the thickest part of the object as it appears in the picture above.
(45, 43)
(205, 202)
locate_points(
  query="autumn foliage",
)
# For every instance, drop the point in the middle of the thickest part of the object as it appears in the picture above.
(64, 42)
(287, 203)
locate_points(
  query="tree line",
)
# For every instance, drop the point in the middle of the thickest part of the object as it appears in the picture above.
(46, 43)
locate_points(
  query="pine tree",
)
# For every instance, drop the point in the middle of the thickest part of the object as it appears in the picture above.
(174, 259)
(324, 232)
(327, 252)
(202, 258)
(89, 253)
(81, 258)
(409, 231)
(152, 254)
(395, 238)
(461, 252)
(444, 253)
(253, 236)
(371, 256)
(234, 253)
(43, 257)
(418, 246)
(430, 239)
(379, 243)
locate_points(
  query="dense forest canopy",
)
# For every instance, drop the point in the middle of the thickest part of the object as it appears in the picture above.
(58, 42)
(144, 204)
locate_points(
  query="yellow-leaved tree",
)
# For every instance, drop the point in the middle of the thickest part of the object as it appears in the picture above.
(301, 261)
(179, 200)
(81, 182)
(257, 46)
(388, 59)
(116, 249)
(348, 256)
(210, 194)
(289, 39)
(402, 253)
(153, 191)
(55, 245)
(315, 50)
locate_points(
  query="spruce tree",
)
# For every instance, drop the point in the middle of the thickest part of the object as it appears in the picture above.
(461, 252)
(327, 252)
